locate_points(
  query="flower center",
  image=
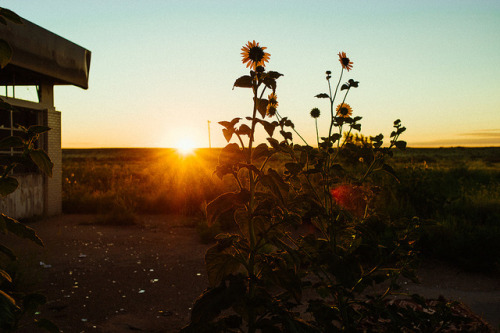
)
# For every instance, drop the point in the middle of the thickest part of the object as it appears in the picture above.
(344, 111)
(256, 53)
(345, 61)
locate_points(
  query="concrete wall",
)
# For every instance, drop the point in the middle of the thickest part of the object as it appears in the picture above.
(39, 194)
(27, 200)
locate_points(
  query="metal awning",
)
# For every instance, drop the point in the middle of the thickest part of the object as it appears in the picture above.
(40, 56)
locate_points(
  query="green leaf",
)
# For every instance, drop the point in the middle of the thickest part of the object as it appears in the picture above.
(243, 82)
(42, 160)
(225, 202)
(5, 53)
(260, 151)
(47, 325)
(21, 230)
(323, 95)
(8, 185)
(4, 275)
(5, 250)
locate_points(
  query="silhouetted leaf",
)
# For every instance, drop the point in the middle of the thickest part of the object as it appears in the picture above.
(260, 151)
(42, 160)
(274, 143)
(262, 106)
(4, 276)
(353, 84)
(270, 83)
(231, 154)
(274, 75)
(228, 134)
(401, 145)
(269, 127)
(219, 265)
(323, 95)
(356, 126)
(244, 130)
(344, 87)
(38, 129)
(230, 124)
(387, 168)
(5, 250)
(6, 299)
(11, 142)
(20, 229)
(243, 82)
(225, 202)
(287, 135)
(294, 168)
(8, 185)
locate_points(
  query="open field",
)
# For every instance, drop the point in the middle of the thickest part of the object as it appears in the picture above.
(454, 191)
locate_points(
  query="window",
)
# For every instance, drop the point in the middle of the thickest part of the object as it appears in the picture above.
(9, 126)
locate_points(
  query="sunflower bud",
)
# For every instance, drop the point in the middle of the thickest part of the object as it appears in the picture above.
(315, 113)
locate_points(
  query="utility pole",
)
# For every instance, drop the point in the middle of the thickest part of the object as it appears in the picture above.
(209, 141)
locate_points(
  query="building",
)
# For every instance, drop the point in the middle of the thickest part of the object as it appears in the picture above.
(40, 60)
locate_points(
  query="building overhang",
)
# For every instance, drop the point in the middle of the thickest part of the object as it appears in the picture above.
(42, 57)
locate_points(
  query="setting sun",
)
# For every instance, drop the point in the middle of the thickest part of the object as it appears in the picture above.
(185, 147)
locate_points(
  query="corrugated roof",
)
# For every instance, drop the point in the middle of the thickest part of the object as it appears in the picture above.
(42, 56)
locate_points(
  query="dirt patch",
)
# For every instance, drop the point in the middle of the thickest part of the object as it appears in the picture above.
(145, 278)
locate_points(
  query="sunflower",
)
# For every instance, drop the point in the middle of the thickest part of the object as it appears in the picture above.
(346, 63)
(254, 55)
(272, 104)
(344, 110)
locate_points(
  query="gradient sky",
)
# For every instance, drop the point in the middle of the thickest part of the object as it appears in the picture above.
(160, 69)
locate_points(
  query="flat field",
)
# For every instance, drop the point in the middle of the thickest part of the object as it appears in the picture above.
(127, 254)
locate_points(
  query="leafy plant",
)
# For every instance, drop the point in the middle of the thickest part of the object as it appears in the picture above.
(14, 304)
(272, 274)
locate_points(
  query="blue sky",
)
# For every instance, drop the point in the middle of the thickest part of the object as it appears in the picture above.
(161, 69)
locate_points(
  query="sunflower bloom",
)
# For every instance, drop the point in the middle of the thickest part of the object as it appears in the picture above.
(272, 104)
(254, 55)
(344, 110)
(344, 61)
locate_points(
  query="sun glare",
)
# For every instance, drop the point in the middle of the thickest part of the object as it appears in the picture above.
(185, 147)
